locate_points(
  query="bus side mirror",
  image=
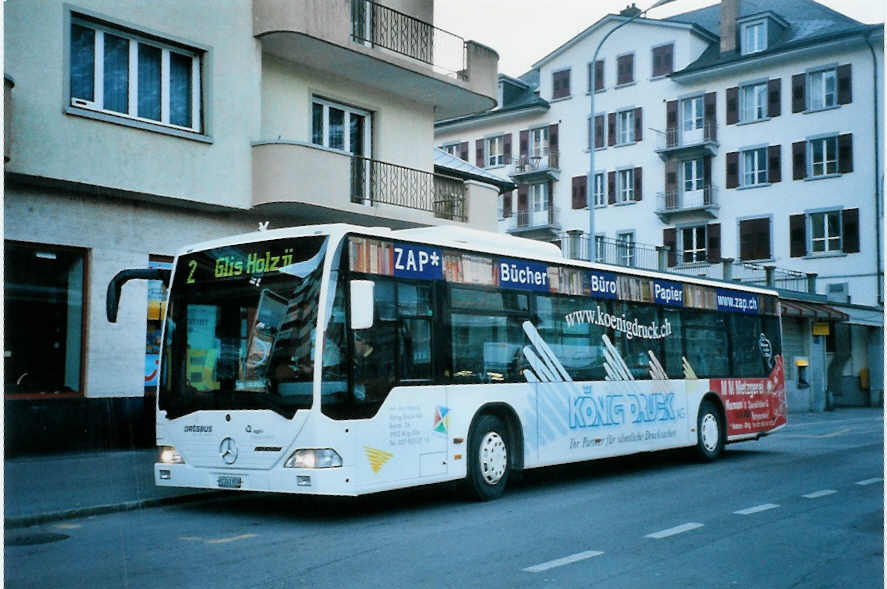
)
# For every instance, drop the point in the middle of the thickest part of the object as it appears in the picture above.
(112, 300)
(362, 304)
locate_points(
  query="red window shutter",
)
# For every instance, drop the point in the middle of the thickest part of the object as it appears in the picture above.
(624, 69)
(845, 84)
(662, 60)
(732, 169)
(463, 150)
(506, 148)
(506, 204)
(611, 128)
(670, 240)
(732, 105)
(524, 144)
(599, 74)
(560, 84)
(671, 123)
(799, 160)
(580, 184)
(754, 239)
(638, 183)
(709, 110)
(552, 138)
(671, 182)
(523, 197)
(479, 153)
(713, 247)
(668, 59)
(599, 131)
(638, 124)
(797, 231)
(850, 230)
(774, 163)
(611, 188)
(774, 97)
(799, 92)
(845, 153)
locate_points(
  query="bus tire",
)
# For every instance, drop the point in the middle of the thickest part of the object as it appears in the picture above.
(710, 434)
(488, 458)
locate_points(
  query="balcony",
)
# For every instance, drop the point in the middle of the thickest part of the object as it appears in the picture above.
(542, 165)
(686, 144)
(372, 44)
(359, 190)
(670, 205)
(541, 224)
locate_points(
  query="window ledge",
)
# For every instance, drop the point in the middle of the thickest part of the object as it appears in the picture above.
(625, 85)
(496, 167)
(625, 203)
(625, 144)
(757, 261)
(659, 77)
(825, 255)
(562, 98)
(824, 108)
(598, 91)
(603, 206)
(823, 177)
(753, 186)
(137, 124)
(761, 120)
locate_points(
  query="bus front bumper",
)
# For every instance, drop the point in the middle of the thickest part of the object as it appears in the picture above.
(308, 481)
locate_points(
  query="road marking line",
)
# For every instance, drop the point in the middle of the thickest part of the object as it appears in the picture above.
(559, 562)
(191, 538)
(674, 531)
(231, 539)
(67, 526)
(756, 509)
(869, 481)
(818, 494)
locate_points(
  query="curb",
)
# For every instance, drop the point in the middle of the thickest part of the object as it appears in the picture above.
(42, 518)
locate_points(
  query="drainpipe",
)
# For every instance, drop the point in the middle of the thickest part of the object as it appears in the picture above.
(868, 41)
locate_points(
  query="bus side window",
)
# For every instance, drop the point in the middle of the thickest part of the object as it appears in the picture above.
(673, 348)
(745, 331)
(708, 350)
(414, 332)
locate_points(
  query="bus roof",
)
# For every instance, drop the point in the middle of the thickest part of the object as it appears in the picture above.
(463, 238)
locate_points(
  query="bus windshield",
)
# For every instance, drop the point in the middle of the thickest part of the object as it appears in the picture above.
(240, 328)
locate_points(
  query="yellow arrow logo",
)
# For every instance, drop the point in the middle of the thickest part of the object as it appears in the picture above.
(377, 457)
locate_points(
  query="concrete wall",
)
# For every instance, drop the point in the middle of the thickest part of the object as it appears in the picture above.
(50, 143)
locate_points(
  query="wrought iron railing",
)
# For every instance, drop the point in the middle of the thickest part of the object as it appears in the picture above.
(377, 25)
(679, 137)
(525, 220)
(545, 159)
(751, 273)
(680, 200)
(607, 250)
(373, 181)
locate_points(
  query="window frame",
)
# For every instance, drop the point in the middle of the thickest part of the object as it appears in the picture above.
(811, 238)
(625, 247)
(625, 190)
(533, 194)
(539, 133)
(761, 168)
(699, 251)
(822, 72)
(759, 95)
(600, 198)
(739, 222)
(698, 178)
(554, 74)
(625, 126)
(654, 75)
(698, 117)
(631, 79)
(761, 45)
(811, 151)
(489, 142)
(136, 37)
(346, 126)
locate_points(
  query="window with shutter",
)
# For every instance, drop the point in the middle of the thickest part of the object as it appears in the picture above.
(599, 75)
(638, 184)
(662, 60)
(560, 84)
(506, 204)
(669, 240)
(732, 169)
(774, 163)
(732, 105)
(599, 131)
(579, 191)
(611, 128)
(624, 69)
(799, 89)
(754, 239)
(611, 188)
(714, 242)
(845, 153)
(774, 97)
(845, 86)
(799, 160)
(797, 230)
(850, 230)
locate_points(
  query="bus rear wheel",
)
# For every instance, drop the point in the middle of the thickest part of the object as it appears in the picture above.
(488, 459)
(710, 433)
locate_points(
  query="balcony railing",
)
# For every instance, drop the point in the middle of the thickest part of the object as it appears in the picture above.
(679, 137)
(373, 182)
(377, 25)
(686, 200)
(546, 159)
(607, 250)
(751, 273)
(547, 217)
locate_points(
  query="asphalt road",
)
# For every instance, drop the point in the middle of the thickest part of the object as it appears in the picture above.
(802, 508)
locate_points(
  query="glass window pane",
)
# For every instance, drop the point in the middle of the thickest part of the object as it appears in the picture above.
(317, 124)
(415, 349)
(336, 128)
(116, 76)
(180, 89)
(149, 82)
(818, 225)
(356, 124)
(705, 332)
(82, 63)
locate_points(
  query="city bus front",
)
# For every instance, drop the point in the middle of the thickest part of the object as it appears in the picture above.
(238, 369)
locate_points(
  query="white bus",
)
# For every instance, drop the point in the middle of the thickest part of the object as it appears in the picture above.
(345, 360)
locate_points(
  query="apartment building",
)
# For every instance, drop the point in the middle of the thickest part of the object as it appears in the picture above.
(134, 129)
(741, 135)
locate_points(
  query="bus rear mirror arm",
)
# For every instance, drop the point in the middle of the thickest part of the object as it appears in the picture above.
(116, 285)
(362, 304)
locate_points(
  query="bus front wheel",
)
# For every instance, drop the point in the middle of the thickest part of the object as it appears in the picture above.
(709, 432)
(488, 467)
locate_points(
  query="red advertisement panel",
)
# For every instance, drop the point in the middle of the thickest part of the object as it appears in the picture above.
(753, 404)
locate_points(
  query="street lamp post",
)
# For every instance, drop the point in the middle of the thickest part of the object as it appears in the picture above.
(589, 184)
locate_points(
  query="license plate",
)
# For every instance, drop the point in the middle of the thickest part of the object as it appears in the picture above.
(228, 482)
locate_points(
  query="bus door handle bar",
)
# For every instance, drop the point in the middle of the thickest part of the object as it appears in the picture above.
(114, 287)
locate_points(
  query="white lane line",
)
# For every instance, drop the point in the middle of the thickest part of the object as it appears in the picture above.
(231, 539)
(756, 509)
(869, 481)
(674, 531)
(559, 562)
(818, 494)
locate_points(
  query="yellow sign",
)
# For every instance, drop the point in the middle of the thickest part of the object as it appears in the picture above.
(821, 328)
(377, 457)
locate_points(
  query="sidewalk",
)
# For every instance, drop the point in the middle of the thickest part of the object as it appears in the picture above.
(38, 489)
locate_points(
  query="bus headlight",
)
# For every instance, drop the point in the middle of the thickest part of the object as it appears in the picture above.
(169, 455)
(314, 458)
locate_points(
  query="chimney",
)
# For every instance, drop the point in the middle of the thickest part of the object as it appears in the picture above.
(729, 14)
(630, 11)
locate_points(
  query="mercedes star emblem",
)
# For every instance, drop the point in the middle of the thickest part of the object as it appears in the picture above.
(228, 450)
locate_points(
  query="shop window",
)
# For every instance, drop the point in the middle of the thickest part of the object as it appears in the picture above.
(43, 306)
